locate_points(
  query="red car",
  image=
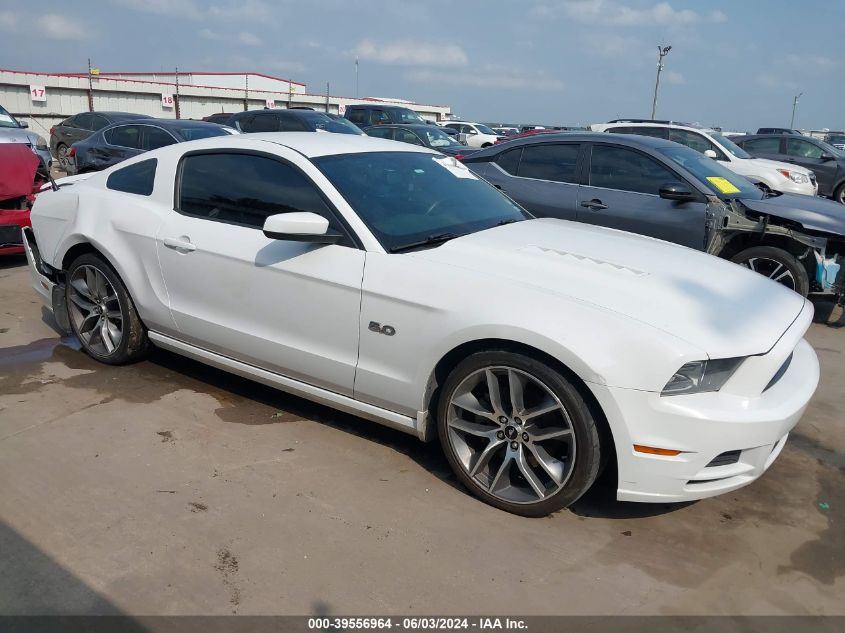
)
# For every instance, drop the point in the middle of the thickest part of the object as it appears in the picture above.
(21, 177)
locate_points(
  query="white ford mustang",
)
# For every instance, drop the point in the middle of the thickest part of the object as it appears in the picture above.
(388, 281)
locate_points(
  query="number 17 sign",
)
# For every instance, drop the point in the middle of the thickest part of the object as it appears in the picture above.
(38, 93)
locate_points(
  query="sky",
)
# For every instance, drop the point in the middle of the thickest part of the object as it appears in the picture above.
(734, 63)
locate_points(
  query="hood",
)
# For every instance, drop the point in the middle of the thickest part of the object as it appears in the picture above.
(812, 212)
(17, 135)
(721, 308)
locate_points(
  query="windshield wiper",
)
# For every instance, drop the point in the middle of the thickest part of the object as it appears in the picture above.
(508, 221)
(439, 238)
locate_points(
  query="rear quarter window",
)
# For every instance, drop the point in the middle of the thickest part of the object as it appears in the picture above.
(138, 178)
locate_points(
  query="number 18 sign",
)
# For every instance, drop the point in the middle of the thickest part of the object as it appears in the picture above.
(166, 101)
(38, 93)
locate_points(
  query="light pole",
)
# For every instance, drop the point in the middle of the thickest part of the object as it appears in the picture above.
(356, 76)
(794, 107)
(662, 51)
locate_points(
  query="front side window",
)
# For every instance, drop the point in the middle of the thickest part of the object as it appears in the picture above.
(509, 160)
(438, 138)
(407, 197)
(406, 115)
(289, 123)
(138, 178)
(380, 117)
(261, 123)
(358, 117)
(155, 137)
(245, 189)
(803, 149)
(549, 162)
(694, 141)
(483, 129)
(730, 146)
(763, 145)
(626, 170)
(6, 119)
(406, 136)
(380, 132)
(124, 136)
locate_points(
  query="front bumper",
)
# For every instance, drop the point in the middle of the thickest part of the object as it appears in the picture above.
(727, 439)
(11, 223)
(805, 189)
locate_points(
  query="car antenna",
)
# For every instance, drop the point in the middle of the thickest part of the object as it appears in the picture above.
(46, 170)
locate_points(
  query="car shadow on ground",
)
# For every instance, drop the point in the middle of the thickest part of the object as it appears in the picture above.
(12, 261)
(827, 312)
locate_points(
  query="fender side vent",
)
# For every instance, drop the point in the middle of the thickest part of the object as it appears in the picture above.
(726, 458)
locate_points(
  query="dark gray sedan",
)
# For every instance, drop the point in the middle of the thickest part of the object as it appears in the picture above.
(81, 126)
(659, 188)
(129, 138)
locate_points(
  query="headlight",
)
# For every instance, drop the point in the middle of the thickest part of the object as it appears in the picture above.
(40, 143)
(701, 375)
(794, 176)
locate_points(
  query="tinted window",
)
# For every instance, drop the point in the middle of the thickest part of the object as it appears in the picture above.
(155, 137)
(406, 136)
(762, 146)
(98, 121)
(549, 162)
(125, 136)
(357, 116)
(291, 124)
(85, 121)
(261, 123)
(656, 132)
(245, 189)
(195, 132)
(509, 160)
(803, 149)
(379, 117)
(137, 178)
(625, 169)
(380, 132)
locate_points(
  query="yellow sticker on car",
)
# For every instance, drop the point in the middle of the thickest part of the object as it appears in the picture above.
(723, 184)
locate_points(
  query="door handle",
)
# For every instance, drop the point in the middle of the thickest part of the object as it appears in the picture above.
(182, 245)
(595, 204)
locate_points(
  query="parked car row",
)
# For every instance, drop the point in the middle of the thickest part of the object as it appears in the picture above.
(537, 350)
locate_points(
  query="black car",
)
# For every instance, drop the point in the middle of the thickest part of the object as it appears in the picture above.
(81, 126)
(218, 117)
(289, 120)
(837, 139)
(426, 135)
(666, 190)
(778, 130)
(365, 115)
(827, 162)
(130, 138)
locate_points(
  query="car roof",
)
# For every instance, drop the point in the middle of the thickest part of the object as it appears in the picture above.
(167, 123)
(675, 125)
(407, 126)
(314, 144)
(296, 112)
(631, 140)
(378, 106)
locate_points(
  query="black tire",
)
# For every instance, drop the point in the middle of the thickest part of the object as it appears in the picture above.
(587, 443)
(777, 264)
(133, 344)
(839, 194)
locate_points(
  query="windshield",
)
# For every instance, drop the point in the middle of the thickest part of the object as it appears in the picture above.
(407, 197)
(346, 123)
(408, 116)
(321, 122)
(836, 138)
(830, 149)
(194, 132)
(720, 180)
(484, 129)
(730, 146)
(438, 138)
(6, 119)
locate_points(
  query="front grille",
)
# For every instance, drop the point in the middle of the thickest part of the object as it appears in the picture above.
(779, 374)
(10, 235)
(726, 458)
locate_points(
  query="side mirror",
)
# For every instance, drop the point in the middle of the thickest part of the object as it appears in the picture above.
(710, 153)
(471, 132)
(677, 191)
(827, 157)
(300, 227)
(23, 124)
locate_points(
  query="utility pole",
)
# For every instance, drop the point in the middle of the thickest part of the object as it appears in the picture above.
(90, 88)
(794, 108)
(356, 76)
(178, 112)
(246, 92)
(661, 53)
(327, 96)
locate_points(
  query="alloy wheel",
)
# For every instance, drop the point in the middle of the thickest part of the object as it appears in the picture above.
(94, 308)
(771, 268)
(511, 434)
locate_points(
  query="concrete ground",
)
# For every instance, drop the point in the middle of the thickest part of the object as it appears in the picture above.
(170, 488)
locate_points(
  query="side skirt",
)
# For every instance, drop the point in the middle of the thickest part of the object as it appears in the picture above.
(289, 385)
